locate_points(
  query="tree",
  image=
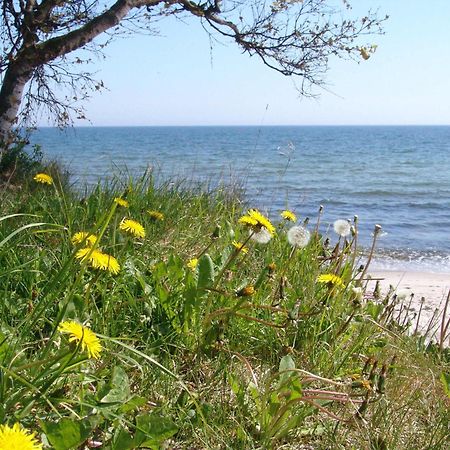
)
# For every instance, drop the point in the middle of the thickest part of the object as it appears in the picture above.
(45, 43)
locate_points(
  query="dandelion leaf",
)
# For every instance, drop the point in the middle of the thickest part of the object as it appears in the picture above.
(445, 380)
(153, 429)
(286, 364)
(118, 389)
(205, 272)
(67, 433)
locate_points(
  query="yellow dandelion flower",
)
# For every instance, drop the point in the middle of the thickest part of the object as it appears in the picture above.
(83, 336)
(98, 259)
(132, 227)
(83, 236)
(255, 220)
(17, 438)
(109, 263)
(192, 263)
(240, 247)
(289, 216)
(246, 291)
(330, 278)
(155, 215)
(121, 202)
(271, 267)
(43, 178)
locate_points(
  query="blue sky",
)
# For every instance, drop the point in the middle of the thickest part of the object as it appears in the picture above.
(176, 79)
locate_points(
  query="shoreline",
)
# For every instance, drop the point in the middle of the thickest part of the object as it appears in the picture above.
(413, 286)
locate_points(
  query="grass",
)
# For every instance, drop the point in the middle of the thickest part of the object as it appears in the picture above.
(204, 345)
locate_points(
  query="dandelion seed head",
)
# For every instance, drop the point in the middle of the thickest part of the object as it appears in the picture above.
(261, 237)
(132, 227)
(43, 178)
(342, 227)
(83, 336)
(298, 236)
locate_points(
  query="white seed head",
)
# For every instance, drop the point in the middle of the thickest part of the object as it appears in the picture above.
(262, 237)
(342, 227)
(298, 236)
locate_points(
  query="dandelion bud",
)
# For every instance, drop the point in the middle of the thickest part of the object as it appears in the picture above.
(246, 291)
(216, 232)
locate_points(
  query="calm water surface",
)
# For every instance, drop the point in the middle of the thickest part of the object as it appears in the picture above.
(398, 177)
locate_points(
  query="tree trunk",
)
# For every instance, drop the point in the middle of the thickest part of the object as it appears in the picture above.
(31, 57)
(10, 98)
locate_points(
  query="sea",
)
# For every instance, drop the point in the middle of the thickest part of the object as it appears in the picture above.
(395, 176)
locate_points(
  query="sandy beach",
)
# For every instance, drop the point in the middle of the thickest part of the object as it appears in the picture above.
(433, 287)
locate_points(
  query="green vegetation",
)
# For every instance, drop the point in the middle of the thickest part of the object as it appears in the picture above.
(204, 338)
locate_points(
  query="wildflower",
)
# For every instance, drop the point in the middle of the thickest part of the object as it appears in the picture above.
(192, 263)
(240, 247)
(83, 336)
(43, 178)
(132, 227)
(98, 259)
(261, 237)
(298, 236)
(271, 267)
(17, 438)
(256, 221)
(83, 236)
(342, 227)
(289, 216)
(156, 215)
(121, 202)
(358, 293)
(246, 291)
(332, 279)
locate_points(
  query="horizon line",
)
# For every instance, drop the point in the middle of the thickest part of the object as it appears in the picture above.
(244, 125)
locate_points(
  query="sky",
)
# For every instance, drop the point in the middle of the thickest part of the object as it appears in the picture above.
(177, 79)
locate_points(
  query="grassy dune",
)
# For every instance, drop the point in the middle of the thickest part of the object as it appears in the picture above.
(184, 339)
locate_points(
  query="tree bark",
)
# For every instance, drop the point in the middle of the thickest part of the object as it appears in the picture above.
(30, 57)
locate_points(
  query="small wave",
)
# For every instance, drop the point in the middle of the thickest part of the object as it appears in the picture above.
(411, 260)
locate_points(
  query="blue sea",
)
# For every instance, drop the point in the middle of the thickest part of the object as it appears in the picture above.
(398, 177)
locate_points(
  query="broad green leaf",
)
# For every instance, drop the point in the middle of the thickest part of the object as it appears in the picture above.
(286, 364)
(132, 404)
(205, 272)
(123, 441)
(118, 389)
(153, 429)
(445, 380)
(67, 433)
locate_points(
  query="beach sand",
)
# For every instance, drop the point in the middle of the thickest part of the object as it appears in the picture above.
(434, 287)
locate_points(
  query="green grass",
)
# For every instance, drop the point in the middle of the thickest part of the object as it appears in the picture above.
(188, 360)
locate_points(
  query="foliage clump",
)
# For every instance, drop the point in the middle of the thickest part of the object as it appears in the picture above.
(186, 330)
